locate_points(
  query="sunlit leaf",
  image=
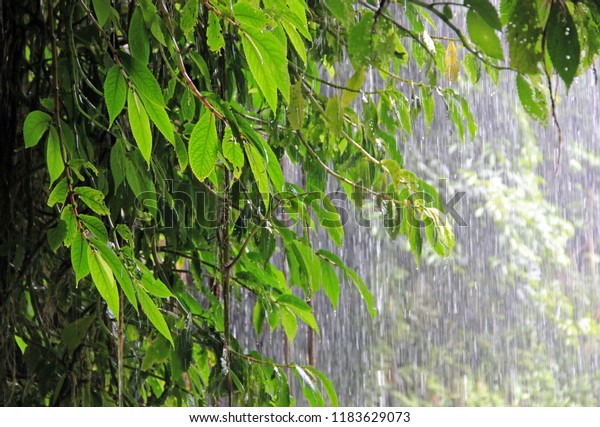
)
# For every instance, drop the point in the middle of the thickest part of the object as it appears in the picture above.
(35, 126)
(140, 125)
(214, 36)
(104, 281)
(93, 198)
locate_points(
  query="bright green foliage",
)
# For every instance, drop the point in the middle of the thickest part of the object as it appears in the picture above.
(35, 126)
(204, 146)
(115, 92)
(238, 90)
(140, 125)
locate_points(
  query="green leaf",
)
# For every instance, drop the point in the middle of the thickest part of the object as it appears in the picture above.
(428, 107)
(59, 193)
(118, 269)
(249, 16)
(295, 112)
(331, 283)
(267, 60)
(487, 11)
(300, 308)
(472, 68)
(117, 163)
(103, 10)
(140, 125)
(327, 385)
(137, 37)
(293, 301)
(188, 105)
(56, 235)
(273, 167)
(158, 116)
(155, 286)
(396, 172)
(365, 293)
(21, 344)
(204, 146)
(79, 257)
(309, 389)
(93, 198)
(259, 171)
(341, 9)
(533, 98)
(147, 86)
(258, 317)
(104, 280)
(95, 226)
(295, 38)
(54, 159)
(70, 221)
(483, 35)
(115, 93)
(154, 315)
(335, 115)
(181, 152)
(158, 351)
(354, 84)
(233, 152)
(75, 332)
(214, 36)
(359, 41)
(563, 42)
(290, 323)
(35, 126)
(189, 17)
(507, 8)
(157, 32)
(524, 34)
(311, 263)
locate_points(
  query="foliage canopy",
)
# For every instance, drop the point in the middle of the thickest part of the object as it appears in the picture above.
(160, 130)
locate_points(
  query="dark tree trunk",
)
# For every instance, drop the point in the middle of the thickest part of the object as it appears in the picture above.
(18, 20)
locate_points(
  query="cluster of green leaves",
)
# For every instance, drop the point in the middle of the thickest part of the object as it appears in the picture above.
(164, 144)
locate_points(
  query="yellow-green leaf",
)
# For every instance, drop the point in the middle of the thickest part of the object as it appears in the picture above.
(35, 126)
(297, 105)
(483, 35)
(451, 61)
(115, 93)
(214, 37)
(353, 86)
(104, 281)
(203, 146)
(140, 125)
(54, 159)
